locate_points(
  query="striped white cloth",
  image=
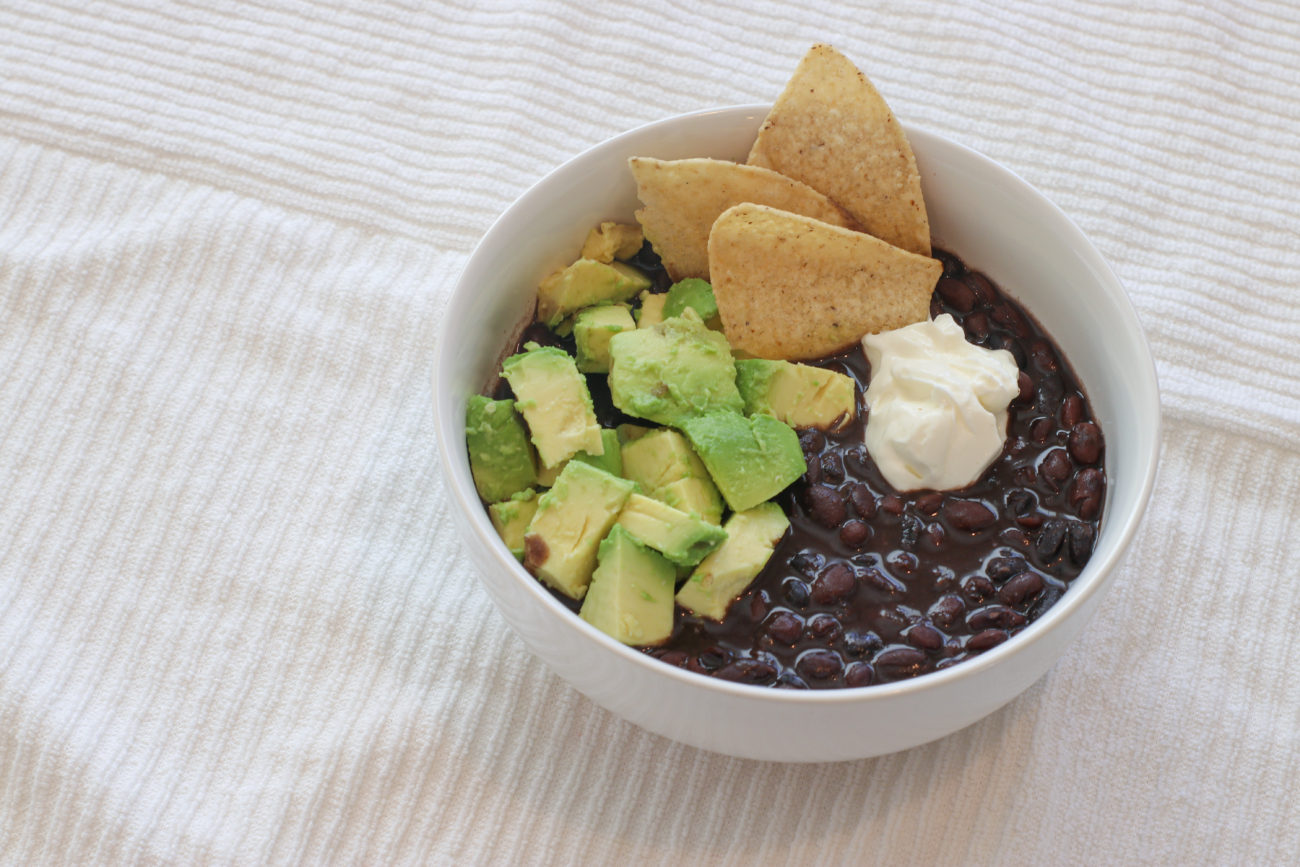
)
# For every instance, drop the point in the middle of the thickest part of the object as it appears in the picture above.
(235, 625)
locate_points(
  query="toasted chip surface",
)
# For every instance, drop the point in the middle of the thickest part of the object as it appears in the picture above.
(682, 198)
(796, 288)
(831, 129)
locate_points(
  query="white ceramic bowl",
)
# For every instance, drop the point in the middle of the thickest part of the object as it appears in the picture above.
(979, 210)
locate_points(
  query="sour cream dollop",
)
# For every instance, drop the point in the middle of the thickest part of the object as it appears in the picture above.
(937, 404)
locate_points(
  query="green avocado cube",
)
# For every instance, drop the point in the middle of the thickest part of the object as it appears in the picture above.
(663, 463)
(610, 241)
(592, 329)
(571, 519)
(611, 461)
(553, 398)
(750, 459)
(651, 311)
(800, 395)
(672, 371)
(683, 538)
(511, 517)
(696, 495)
(694, 293)
(586, 283)
(628, 432)
(722, 576)
(500, 458)
(631, 593)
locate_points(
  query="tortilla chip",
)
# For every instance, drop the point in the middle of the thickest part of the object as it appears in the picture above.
(682, 198)
(833, 131)
(791, 287)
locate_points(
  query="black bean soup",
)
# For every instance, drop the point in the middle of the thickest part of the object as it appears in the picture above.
(872, 586)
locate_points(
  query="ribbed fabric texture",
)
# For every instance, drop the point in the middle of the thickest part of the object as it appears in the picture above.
(236, 625)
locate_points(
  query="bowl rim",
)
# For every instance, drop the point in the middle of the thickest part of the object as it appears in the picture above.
(1097, 575)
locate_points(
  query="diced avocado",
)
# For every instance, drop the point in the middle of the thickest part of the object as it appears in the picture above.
(695, 496)
(500, 458)
(571, 519)
(612, 241)
(592, 329)
(511, 519)
(627, 432)
(683, 538)
(694, 293)
(672, 371)
(663, 463)
(800, 395)
(583, 284)
(750, 459)
(659, 457)
(723, 575)
(554, 400)
(631, 594)
(611, 460)
(651, 311)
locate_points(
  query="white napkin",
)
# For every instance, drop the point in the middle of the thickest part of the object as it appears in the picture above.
(235, 622)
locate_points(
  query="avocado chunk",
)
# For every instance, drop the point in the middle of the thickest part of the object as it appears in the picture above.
(511, 517)
(500, 458)
(610, 241)
(592, 329)
(611, 461)
(750, 459)
(554, 400)
(752, 536)
(663, 463)
(695, 496)
(694, 293)
(583, 284)
(800, 395)
(651, 311)
(683, 538)
(628, 432)
(672, 371)
(571, 519)
(631, 594)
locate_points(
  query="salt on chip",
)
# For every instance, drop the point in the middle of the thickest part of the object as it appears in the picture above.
(682, 198)
(832, 130)
(796, 288)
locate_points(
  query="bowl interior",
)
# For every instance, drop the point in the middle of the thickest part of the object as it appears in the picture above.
(978, 210)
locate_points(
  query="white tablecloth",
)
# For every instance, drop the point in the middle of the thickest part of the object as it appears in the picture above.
(235, 622)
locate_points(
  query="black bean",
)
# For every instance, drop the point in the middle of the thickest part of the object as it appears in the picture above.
(910, 529)
(987, 638)
(797, 592)
(747, 671)
(758, 605)
(999, 616)
(1050, 538)
(1048, 393)
(1040, 351)
(1026, 383)
(1082, 537)
(1055, 468)
(835, 584)
(825, 505)
(807, 562)
(896, 663)
(977, 326)
(1041, 430)
(935, 533)
(924, 637)
(1085, 442)
(984, 291)
(674, 657)
(969, 515)
(882, 581)
(1020, 587)
(861, 643)
(823, 627)
(945, 611)
(1011, 319)
(977, 588)
(819, 664)
(785, 627)
(1002, 568)
(1021, 502)
(957, 293)
(854, 533)
(929, 504)
(832, 467)
(1086, 492)
(1071, 410)
(812, 440)
(863, 501)
(714, 658)
(859, 674)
